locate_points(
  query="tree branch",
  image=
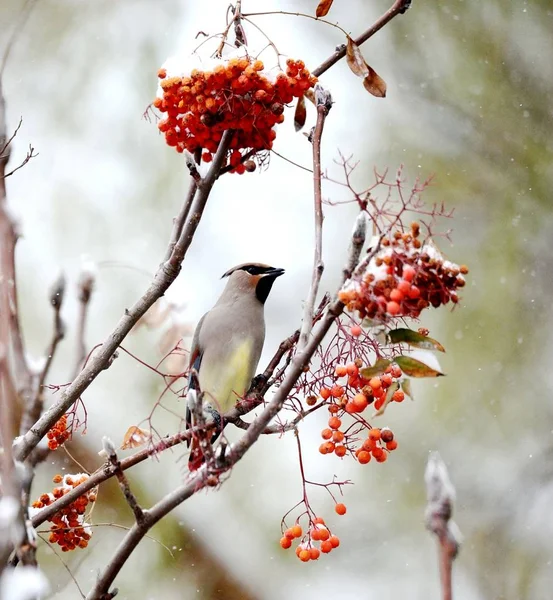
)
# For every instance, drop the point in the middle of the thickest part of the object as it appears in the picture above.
(397, 8)
(441, 496)
(323, 101)
(166, 274)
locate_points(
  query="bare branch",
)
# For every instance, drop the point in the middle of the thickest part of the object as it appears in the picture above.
(166, 274)
(397, 8)
(109, 448)
(324, 104)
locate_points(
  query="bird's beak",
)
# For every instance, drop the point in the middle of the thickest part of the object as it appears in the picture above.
(273, 273)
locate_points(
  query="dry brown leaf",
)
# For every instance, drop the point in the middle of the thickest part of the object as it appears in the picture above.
(355, 59)
(310, 95)
(134, 437)
(323, 8)
(300, 114)
(374, 84)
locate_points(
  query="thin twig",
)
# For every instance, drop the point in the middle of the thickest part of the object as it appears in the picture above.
(166, 274)
(85, 289)
(324, 104)
(123, 481)
(33, 409)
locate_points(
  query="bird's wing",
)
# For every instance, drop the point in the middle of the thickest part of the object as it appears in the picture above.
(194, 363)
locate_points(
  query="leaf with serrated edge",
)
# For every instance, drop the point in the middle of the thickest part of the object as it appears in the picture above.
(415, 368)
(391, 391)
(406, 387)
(374, 84)
(414, 338)
(377, 369)
(323, 8)
(355, 60)
(300, 114)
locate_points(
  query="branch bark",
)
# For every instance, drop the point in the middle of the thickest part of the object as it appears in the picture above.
(323, 102)
(398, 7)
(166, 274)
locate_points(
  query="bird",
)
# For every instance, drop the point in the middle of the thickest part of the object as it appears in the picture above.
(227, 345)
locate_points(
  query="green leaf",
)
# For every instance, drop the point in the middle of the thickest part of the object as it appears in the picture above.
(379, 367)
(416, 368)
(391, 391)
(414, 338)
(406, 387)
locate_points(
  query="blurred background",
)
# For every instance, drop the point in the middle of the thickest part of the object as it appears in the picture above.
(470, 99)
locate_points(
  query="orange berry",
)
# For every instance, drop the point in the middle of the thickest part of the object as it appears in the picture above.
(304, 555)
(326, 546)
(338, 436)
(399, 396)
(375, 434)
(333, 409)
(289, 534)
(356, 331)
(340, 509)
(326, 434)
(396, 371)
(386, 380)
(319, 521)
(351, 408)
(322, 449)
(396, 295)
(463, 269)
(375, 383)
(315, 553)
(285, 543)
(57, 478)
(257, 65)
(340, 371)
(364, 457)
(334, 423)
(393, 308)
(378, 453)
(324, 393)
(414, 292)
(368, 445)
(360, 402)
(352, 369)
(298, 550)
(408, 273)
(391, 446)
(324, 534)
(381, 457)
(337, 391)
(340, 451)
(334, 540)
(297, 531)
(403, 286)
(162, 73)
(329, 447)
(315, 535)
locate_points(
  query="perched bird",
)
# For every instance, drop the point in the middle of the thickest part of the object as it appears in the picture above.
(227, 344)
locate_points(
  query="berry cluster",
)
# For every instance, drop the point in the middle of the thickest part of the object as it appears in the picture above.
(318, 532)
(354, 396)
(404, 278)
(59, 434)
(235, 94)
(68, 528)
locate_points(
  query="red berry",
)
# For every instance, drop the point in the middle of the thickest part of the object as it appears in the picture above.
(396, 295)
(285, 542)
(356, 331)
(393, 308)
(340, 509)
(408, 273)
